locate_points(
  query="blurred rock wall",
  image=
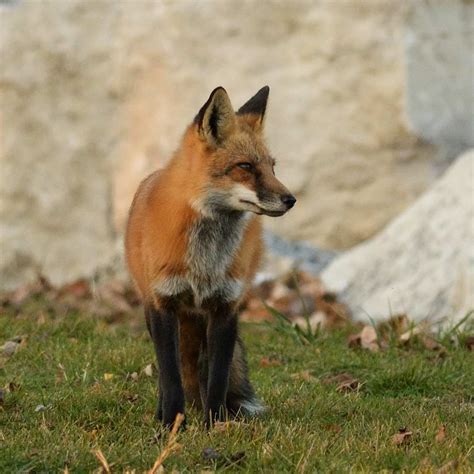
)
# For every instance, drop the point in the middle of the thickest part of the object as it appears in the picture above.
(439, 44)
(94, 95)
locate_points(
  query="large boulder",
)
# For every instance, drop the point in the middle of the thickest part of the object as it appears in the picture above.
(422, 263)
(439, 40)
(94, 95)
(58, 140)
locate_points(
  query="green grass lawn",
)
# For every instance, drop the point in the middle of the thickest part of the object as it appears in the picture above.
(68, 391)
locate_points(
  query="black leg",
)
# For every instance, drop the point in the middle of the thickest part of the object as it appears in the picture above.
(163, 325)
(221, 337)
(203, 368)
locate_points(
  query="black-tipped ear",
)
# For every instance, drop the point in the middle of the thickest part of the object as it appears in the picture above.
(256, 106)
(216, 119)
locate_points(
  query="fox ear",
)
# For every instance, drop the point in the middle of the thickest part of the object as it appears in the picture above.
(255, 108)
(216, 119)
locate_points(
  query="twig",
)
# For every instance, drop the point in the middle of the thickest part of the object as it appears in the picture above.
(100, 456)
(171, 446)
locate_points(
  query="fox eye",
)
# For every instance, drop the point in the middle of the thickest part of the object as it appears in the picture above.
(245, 166)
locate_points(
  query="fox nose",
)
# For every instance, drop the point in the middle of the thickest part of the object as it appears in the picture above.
(289, 200)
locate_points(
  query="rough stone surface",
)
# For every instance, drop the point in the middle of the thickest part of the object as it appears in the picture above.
(94, 95)
(283, 256)
(439, 45)
(58, 139)
(422, 264)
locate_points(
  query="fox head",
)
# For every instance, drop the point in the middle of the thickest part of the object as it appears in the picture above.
(240, 169)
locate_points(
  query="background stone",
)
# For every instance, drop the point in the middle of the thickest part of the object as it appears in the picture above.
(422, 264)
(94, 95)
(439, 45)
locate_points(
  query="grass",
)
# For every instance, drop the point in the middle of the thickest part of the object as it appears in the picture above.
(71, 393)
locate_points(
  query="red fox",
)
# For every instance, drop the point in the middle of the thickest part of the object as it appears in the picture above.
(193, 244)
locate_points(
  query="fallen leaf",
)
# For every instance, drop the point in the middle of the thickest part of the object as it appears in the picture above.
(108, 376)
(134, 376)
(77, 289)
(349, 386)
(366, 339)
(270, 362)
(345, 382)
(402, 437)
(396, 325)
(305, 375)
(432, 344)
(448, 467)
(148, 370)
(411, 333)
(441, 434)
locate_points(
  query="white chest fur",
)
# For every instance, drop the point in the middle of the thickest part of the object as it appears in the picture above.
(212, 245)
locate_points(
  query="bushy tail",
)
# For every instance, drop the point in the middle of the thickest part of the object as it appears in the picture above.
(241, 398)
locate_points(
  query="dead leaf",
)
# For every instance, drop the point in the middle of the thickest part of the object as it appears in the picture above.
(402, 437)
(350, 386)
(148, 370)
(134, 376)
(108, 376)
(397, 324)
(270, 362)
(77, 289)
(304, 375)
(432, 344)
(411, 333)
(448, 467)
(345, 382)
(441, 434)
(366, 339)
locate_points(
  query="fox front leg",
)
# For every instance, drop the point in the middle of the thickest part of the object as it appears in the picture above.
(221, 338)
(163, 324)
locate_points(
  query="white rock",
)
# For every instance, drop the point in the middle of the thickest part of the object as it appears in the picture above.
(94, 95)
(439, 39)
(422, 263)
